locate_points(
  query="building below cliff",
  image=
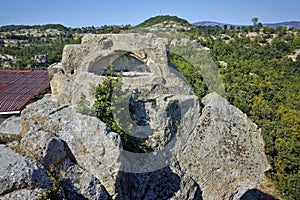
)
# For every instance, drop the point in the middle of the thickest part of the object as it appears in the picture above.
(18, 87)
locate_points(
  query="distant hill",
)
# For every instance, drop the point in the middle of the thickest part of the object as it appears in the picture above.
(290, 24)
(212, 23)
(160, 19)
(41, 27)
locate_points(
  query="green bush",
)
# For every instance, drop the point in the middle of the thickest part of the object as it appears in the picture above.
(104, 109)
(53, 193)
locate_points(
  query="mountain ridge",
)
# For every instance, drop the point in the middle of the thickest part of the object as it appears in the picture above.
(149, 22)
(288, 24)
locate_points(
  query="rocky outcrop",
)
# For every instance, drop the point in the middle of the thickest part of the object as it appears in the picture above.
(22, 194)
(225, 153)
(142, 58)
(6, 61)
(60, 132)
(92, 153)
(166, 183)
(41, 59)
(216, 154)
(80, 184)
(18, 172)
(44, 147)
(10, 129)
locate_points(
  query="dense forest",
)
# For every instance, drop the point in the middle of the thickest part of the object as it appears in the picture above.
(259, 65)
(263, 82)
(262, 79)
(260, 68)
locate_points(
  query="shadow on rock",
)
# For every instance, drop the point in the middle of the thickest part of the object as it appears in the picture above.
(255, 194)
(161, 184)
(71, 191)
(166, 183)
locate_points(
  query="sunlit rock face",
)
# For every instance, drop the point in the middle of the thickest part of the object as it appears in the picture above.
(143, 60)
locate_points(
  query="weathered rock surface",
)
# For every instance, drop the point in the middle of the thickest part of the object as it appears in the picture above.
(22, 194)
(80, 184)
(86, 140)
(162, 102)
(18, 172)
(41, 59)
(225, 153)
(143, 58)
(165, 183)
(10, 129)
(255, 194)
(44, 147)
(6, 61)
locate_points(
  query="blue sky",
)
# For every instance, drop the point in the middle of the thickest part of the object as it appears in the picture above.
(75, 13)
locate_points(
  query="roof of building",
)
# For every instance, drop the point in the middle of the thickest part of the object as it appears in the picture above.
(18, 87)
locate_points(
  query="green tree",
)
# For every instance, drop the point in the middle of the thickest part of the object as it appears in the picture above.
(225, 28)
(106, 105)
(254, 21)
(262, 82)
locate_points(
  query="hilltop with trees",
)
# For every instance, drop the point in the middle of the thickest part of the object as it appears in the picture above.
(162, 19)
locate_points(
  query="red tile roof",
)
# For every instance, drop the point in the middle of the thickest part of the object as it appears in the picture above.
(18, 87)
